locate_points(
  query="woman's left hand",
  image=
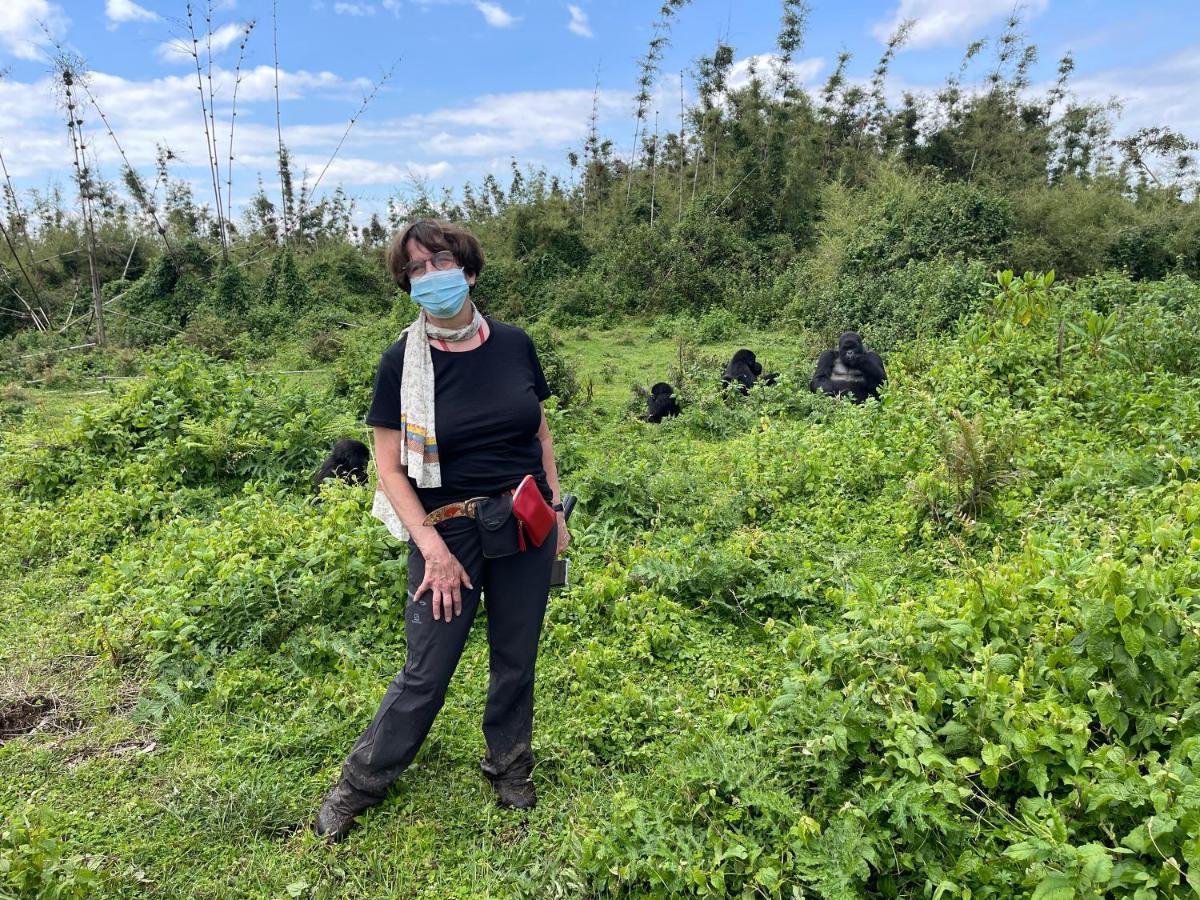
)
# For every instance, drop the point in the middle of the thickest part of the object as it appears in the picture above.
(564, 536)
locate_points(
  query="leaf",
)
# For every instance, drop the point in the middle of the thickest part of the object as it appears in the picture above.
(992, 754)
(1027, 851)
(1097, 864)
(1122, 607)
(1054, 887)
(1133, 637)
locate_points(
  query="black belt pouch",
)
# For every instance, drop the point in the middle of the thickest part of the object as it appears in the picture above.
(497, 526)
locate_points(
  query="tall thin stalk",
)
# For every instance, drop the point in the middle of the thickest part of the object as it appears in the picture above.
(591, 147)
(283, 208)
(648, 69)
(237, 81)
(132, 179)
(353, 120)
(16, 209)
(682, 144)
(653, 167)
(209, 137)
(68, 75)
(212, 124)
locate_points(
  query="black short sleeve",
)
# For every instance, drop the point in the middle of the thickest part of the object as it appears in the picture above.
(540, 388)
(385, 402)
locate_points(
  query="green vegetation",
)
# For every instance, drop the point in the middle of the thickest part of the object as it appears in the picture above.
(942, 644)
(945, 645)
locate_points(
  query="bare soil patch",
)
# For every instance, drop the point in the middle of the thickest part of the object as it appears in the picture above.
(26, 715)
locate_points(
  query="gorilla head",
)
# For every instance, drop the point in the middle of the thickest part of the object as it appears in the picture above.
(661, 403)
(850, 348)
(347, 460)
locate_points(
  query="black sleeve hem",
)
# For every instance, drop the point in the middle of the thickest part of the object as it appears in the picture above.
(384, 423)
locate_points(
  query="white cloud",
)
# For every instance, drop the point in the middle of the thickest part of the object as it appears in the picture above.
(941, 22)
(804, 70)
(128, 11)
(495, 14)
(354, 9)
(392, 6)
(579, 21)
(21, 26)
(180, 49)
(1161, 93)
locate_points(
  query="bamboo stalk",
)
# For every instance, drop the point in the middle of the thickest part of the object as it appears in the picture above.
(209, 145)
(83, 179)
(653, 167)
(682, 144)
(353, 120)
(212, 121)
(237, 82)
(146, 206)
(283, 210)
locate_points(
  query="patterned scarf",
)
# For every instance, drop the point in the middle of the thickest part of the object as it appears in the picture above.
(418, 447)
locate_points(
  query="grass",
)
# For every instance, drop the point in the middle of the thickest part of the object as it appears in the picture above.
(787, 659)
(208, 804)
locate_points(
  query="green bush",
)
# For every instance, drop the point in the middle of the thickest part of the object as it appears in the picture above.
(560, 373)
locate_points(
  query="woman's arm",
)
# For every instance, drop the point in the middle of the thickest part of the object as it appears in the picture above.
(548, 463)
(444, 575)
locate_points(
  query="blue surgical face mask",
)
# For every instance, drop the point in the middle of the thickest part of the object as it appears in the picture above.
(441, 294)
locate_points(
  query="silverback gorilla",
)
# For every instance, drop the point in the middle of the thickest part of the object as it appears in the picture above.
(745, 370)
(347, 460)
(661, 403)
(850, 370)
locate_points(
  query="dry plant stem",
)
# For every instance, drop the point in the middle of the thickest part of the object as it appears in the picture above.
(208, 138)
(146, 207)
(237, 81)
(129, 259)
(16, 205)
(74, 122)
(41, 326)
(283, 216)
(353, 120)
(59, 350)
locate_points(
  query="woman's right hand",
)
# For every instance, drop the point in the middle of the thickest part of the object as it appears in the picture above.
(445, 577)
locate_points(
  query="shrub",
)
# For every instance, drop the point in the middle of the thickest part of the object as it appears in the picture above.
(560, 373)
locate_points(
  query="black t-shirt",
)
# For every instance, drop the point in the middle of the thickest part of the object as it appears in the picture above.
(486, 402)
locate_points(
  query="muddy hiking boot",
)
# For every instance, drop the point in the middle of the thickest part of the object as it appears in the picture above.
(340, 811)
(510, 778)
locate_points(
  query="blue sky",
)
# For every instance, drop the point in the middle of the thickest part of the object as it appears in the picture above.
(479, 83)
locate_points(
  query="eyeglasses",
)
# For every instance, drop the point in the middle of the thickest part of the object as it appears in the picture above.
(441, 261)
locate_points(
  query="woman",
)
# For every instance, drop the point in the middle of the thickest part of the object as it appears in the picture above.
(457, 414)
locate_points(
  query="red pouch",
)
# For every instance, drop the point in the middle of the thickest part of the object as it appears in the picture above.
(535, 517)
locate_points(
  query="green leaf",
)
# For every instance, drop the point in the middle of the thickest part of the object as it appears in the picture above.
(1027, 851)
(1054, 887)
(1122, 607)
(1097, 865)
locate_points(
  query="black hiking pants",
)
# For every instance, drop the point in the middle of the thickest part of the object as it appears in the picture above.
(516, 588)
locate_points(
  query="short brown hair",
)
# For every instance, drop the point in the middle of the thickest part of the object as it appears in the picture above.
(434, 235)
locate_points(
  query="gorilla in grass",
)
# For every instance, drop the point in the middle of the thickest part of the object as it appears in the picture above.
(745, 370)
(849, 371)
(347, 460)
(660, 403)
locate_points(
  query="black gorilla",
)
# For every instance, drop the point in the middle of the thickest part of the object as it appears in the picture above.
(347, 461)
(850, 370)
(661, 403)
(745, 370)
